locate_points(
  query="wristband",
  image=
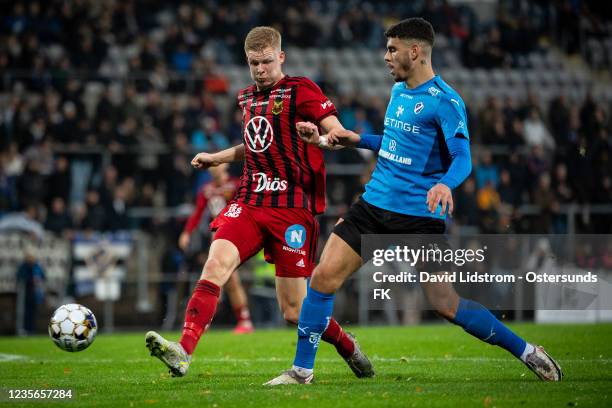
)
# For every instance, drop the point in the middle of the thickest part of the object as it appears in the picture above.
(322, 141)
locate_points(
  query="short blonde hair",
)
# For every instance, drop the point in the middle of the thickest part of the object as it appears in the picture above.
(262, 37)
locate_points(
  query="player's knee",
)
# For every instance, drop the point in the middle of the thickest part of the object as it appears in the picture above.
(216, 271)
(444, 306)
(446, 312)
(324, 279)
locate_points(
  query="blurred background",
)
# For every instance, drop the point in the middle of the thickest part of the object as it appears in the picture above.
(104, 103)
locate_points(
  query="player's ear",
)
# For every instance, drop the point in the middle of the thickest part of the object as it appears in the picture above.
(281, 56)
(415, 50)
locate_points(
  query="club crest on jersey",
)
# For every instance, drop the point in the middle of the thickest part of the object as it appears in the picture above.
(295, 236)
(278, 107)
(418, 107)
(258, 134)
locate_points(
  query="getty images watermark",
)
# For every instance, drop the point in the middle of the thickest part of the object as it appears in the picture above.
(556, 272)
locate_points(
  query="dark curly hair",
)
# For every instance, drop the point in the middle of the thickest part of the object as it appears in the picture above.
(412, 28)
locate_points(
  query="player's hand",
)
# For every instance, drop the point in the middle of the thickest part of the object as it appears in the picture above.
(204, 161)
(440, 194)
(183, 242)
(308, 132)
(343, 137)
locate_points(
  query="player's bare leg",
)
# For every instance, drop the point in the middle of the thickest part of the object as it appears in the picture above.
(290, 292)
(479, 322)
(240, 305)
(223, 259)
(338, 262)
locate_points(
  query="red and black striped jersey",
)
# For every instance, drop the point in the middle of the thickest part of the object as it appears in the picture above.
(281, 170)
(212, 197)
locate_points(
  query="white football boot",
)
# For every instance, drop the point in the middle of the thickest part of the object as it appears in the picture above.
(543, 365)
(172, 354)
(290, 377)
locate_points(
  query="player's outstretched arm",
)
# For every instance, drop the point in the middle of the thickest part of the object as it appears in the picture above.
(309, 133)
(343, 137)
(205, 160)
(337, 136)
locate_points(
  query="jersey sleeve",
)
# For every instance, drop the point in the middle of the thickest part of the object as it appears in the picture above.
(452, 118)
(312, 104)
(196, 215)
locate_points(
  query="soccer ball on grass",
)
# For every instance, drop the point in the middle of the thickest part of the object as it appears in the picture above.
(73, 327)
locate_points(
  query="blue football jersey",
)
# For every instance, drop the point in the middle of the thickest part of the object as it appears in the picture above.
(413, 155)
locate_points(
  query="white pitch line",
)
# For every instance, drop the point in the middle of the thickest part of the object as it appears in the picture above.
(10, 357)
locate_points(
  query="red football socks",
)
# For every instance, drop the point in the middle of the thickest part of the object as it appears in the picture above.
(242, 313)
(336, 336)
(200, 311)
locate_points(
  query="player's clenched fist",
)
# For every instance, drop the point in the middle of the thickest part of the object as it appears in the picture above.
(309, 132)
(440, 194)
(204, 161)
(343, 137)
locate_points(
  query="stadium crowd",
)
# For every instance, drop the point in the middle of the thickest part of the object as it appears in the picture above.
(74, 161)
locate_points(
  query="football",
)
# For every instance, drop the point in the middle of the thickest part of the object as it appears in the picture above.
(73, 327)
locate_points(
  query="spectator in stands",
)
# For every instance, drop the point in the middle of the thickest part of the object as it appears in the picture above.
(538, 162)
(548, 206)
(535, 132)
(559, 119)
(31, 185)
(117, 218)
(466, 208)
(486, 171)
(31, 279)
(562, 189)
(95, 215)
(488, 203)
(59, 221)
(509, 193)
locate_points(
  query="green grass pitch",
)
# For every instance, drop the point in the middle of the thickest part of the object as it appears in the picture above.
(433, 365)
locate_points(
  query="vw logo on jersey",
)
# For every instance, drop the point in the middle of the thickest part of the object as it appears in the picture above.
(295, 236)
(258, 134)
(392, 145)
(418, 107)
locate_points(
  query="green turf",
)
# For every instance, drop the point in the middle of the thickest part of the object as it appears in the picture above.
(436, 365)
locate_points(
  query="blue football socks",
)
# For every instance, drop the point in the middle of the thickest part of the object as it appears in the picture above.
(480, 322)
(314, 318)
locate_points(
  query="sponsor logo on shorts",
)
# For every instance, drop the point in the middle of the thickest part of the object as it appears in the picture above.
(265, 183)
(301, 263)
(294, 250)
(295, 236)
(233, 211)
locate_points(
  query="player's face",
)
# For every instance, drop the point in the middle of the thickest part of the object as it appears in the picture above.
(266, 66)
(400, 57)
